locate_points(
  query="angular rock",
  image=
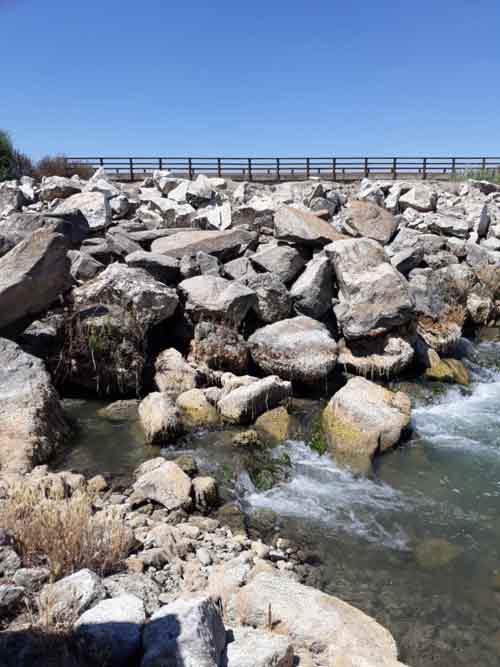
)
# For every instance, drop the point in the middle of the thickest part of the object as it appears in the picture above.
(32, 276)
(74, 594)
(451, 225)
(225, 245)
(175, 375)
(374, 297)
(421, 198)
(11, 198)
(216, 297)
(273, 301)
(160, 267)
(189, 632)
(164, 483)
(448, 370)
(195, 409)
(299, 348)
(363, 418)
(286, 262)
(141, 586)
(244, 404)
(366, 219)
(383, 356)
(114, 628)
(240, 269)
(57, 187)
(214, 217)
(11, 598)
(94, 206)
(258, 648)
(18, 226)
(83, 266)
(131, 288)
(312, 292)
(160, 418)
(219, 347)
(32, 424)
(297, 226)
(406, 260)
(120, 243)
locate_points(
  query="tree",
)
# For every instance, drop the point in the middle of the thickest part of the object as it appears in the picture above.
(6, 156)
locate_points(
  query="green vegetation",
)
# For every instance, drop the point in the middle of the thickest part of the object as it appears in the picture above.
(317, 441)
(6, 156)
(490, 175)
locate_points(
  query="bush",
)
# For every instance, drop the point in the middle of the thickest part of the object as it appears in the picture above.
(6, 156)
(57, 165)
(64, 532)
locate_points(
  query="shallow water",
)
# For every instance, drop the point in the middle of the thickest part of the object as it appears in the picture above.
(376, 537)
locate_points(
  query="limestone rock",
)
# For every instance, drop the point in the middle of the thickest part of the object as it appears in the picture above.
(312, 292)
(166, 484)
(286, 262)
(383, 356)
(94, 206)
(273, 301)
(448, 370)
(73, 594)
(83, 266)
(303, 227)
(244, 404)
(160, 418)
(205, 493)
(195, 409)
(364, 218)
(57, 187)
(276, 424)
(299, 349)
(363, 418)
(11, 198)
(421, 198)
(258, 648)
(217, 297)
(226, 244)
(161, 267)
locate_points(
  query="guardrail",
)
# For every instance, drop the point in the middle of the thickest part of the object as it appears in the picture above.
(276, 168)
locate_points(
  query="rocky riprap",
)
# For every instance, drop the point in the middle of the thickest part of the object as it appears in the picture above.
(215, 303)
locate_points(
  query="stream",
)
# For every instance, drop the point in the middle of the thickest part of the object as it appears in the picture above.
(416, 544)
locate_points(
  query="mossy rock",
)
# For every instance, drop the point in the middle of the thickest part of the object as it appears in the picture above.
(277, 424)
(448, 370)
(196, 410)
(435, 552)
(249, 438)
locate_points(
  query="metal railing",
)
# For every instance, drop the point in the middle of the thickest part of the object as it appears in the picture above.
(299, 168)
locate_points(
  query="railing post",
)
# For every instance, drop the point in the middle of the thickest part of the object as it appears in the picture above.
(334, 169)
(190, 168)
(484, 164)
(308, 167)
(278, 169)
(249, 168)
(160, 163)
(394, 168)
(453, 165)
(101, 161)
(131, 168)
(424, 169)
(366, 168)
(219, 167)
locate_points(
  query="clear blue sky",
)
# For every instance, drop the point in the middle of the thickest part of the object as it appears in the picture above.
(165, 77)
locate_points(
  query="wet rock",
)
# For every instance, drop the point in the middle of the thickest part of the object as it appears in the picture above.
(32, 424)
(126, 287)
(244, 404)
(196, 410)
(363, 418)
(284, 261)
(212, 296)
(163, 482)
(273, 301)
(448, 370)
(93, 205)
(312, 292)
(364, 218)
(435, 552)
(299, 349)
(383, 356)
(114, 628)
(185, 632)
(160, 418)
(205, 493)
(276, 424)
(374, 297)
(32, 276)
(126, 410)
(220, 347)
(302, 227)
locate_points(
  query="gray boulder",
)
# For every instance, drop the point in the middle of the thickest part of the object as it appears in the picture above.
(247, 402)
(140, 586)
(187, 632)
(273, 300)
(303, 227)
(19, 226)
(408, 259)
(32, 276)
(83, 266)
(11, 599)
(11, 198)
(239, 269)
(374, 297)
(220, 347)
(58, 187)
(312, 292)
(74, 593)
(217, 297)
(164, 482)
(114, 628)
(94, 206)
(225, 245)
(258, 648)
(159, 418)
(160, 267)
(298, 349)
(286, 262)
(364, 218)
(421, 198)
(450, 225)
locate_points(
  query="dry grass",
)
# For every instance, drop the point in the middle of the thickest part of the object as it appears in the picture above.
(64, 531)
(56, 165)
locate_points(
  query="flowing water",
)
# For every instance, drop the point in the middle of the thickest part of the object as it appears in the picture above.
(416, 544)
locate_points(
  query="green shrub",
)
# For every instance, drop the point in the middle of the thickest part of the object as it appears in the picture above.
(6, 156)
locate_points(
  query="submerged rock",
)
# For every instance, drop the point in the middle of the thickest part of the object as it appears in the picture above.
(435, 552)
(448, 370)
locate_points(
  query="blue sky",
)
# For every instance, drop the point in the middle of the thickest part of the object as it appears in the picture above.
(160, 77)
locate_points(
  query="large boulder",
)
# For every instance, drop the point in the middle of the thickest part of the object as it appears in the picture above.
(299, 348)
(11, 198)
(114, 628)
(162, 482)
(374, 297)
(364, 218)
(383, 356)
(303, 227)
(160, 418)
(32, 424)
(258, 648)
(451, 225)
(161, 267)
(94, 206)
(312, 292)
(75, 593)
(187, 632)
(226, 244)
(32, 276)
(129, 288)
(313, 619)
(58, 187)
(247, 402)
(196, 410)
(220, 347)
(363, 418)
(19, 226)
(211, 296)
(273, 301)
(286, 262)
(175, 375)
(421, 198)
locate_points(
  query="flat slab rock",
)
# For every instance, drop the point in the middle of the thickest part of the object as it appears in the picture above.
(298, 226)
(226, 244)
(164, 482)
